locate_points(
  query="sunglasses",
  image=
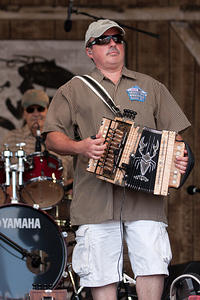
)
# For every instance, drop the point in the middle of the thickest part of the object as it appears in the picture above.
(105, 40)
(31, 109)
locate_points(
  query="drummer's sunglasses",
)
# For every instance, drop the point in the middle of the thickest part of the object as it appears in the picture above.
(31, 109)
(105, 40)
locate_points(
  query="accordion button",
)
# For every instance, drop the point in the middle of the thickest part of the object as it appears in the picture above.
(178, 153)
(174, 181)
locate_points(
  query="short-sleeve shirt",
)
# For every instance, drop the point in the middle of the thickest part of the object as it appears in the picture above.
(76, 105)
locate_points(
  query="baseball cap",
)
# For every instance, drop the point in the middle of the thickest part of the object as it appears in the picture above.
(35, 97)
(97, 28)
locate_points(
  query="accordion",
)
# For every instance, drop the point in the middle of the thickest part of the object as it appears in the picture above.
(138, 158)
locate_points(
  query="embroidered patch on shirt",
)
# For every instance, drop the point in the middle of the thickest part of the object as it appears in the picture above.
(135, 93)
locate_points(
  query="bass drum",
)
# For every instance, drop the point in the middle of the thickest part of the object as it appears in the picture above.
(32, 251)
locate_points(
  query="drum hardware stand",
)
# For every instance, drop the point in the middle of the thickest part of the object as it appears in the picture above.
(76, 293)
(128, 292)
(20, 154)
(14, 198)
(53, 177)
(7, 154)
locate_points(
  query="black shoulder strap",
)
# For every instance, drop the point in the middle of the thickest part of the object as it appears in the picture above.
(99, 90)
(190, 164)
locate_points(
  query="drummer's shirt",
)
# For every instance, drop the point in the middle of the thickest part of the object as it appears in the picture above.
(75, 104)
(23, 135)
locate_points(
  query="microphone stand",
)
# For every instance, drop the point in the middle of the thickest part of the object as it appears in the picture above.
(155, 35)
(36, 260)
(38, 140)
(15, 246)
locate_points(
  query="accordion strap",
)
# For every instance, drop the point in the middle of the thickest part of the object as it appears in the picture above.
(190, 164)
(101, 92)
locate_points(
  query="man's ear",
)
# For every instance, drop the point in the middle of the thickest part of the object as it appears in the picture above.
(89, 51)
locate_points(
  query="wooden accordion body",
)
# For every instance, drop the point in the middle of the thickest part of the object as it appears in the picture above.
(138, 158)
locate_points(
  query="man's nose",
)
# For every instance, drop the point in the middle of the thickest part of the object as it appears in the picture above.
(112, 42)
(36, 112)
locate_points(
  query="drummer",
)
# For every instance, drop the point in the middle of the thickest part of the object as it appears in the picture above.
(35, 104)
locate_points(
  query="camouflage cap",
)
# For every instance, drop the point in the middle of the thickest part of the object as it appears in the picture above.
(97, 28)
(35, 97)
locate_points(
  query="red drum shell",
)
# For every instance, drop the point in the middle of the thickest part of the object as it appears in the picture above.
(42, 177)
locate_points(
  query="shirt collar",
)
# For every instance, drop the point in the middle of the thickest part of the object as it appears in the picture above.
(98, 75)
(128, 73)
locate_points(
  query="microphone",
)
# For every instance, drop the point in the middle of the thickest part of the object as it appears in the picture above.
(193, 190)
(38, 140)
(68, 22)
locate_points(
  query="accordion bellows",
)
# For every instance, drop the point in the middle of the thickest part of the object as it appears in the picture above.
(138, 158)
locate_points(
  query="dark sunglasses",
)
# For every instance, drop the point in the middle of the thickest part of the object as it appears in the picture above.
(105, 40)
(31, 109)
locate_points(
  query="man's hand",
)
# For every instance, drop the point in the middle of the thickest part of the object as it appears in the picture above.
(63, 145)
(181, 162)
(92, 148)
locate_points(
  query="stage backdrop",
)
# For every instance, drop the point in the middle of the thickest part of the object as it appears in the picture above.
(35, 64)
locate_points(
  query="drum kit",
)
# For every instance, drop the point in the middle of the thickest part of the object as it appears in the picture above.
(33, 238)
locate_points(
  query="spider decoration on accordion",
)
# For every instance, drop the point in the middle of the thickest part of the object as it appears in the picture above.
(140, 158)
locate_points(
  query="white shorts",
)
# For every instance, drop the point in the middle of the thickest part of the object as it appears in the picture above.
(98, 259)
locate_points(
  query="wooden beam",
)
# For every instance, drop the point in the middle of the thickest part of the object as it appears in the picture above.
(189, 38)
(130, 14)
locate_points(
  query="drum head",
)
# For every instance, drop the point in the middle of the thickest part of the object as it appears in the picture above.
(43, 192)
(33, 232)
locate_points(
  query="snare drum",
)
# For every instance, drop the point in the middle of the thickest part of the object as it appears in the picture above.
(32, 251)
(2, 182)
(42, 178)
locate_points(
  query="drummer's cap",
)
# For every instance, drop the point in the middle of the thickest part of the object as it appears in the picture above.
(97, 28)
(35, 97)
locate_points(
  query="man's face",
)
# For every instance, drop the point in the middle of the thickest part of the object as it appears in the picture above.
(110, 55)
(34, 116)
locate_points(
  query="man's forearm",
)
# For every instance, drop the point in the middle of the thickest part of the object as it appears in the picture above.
(61, 144)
